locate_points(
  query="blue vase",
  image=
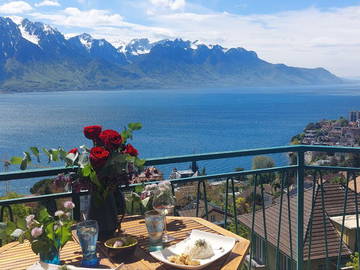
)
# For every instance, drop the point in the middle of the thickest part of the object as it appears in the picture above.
(52, 258)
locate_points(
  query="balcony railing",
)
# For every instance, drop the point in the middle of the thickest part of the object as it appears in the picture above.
(300, 229)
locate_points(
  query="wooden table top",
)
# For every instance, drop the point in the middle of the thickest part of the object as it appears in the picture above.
(16, 256)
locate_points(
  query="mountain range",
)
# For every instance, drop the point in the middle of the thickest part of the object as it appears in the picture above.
(37, 57)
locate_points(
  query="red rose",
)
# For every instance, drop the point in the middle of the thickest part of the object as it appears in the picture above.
(131, 150)
(111, 139)
(98, 157)
(92, 132)
(73, 151)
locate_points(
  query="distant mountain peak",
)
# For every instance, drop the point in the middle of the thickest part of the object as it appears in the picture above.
(138, 46)
(34, 55)
(86, 40)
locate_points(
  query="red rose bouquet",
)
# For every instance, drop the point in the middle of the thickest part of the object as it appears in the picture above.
(110, 162)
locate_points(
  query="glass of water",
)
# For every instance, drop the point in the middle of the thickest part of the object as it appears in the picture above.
(87, 232)
(155, 226)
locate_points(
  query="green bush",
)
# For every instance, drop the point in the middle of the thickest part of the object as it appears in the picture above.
(354, 261)
(20, 211)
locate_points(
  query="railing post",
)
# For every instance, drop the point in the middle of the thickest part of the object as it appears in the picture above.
(300, 210)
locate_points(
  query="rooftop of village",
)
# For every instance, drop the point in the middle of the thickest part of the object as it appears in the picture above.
(340, 132)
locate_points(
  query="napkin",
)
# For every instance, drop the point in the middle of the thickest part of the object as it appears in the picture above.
(46, 266)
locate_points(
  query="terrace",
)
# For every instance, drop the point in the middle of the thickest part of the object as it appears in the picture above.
(307, 227)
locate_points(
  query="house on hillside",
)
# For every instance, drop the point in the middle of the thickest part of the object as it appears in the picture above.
(215, 213)
(176, 174)
(314, 229)
(150, 174)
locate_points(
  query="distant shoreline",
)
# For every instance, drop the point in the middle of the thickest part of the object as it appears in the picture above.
(247, 89)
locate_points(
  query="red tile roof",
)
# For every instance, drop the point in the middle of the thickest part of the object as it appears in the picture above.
(334, 196)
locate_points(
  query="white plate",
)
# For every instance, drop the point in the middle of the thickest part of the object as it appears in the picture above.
(221, 245)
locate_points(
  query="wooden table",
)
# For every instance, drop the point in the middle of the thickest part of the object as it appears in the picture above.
(15, 256)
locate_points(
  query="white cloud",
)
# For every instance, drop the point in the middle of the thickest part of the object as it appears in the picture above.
(72, 16)
(164, 6)
(15, 7)
(171, 4)
(102, 24)
(48, 3)
(308, 38)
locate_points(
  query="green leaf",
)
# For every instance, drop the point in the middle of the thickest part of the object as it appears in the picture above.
(139, 189)
(86, 171)
(135, 126)
(49, 229)
(135, 197)
(62, 153)
(130, 158)
(10, 227)
(65, 235)
(126, 134)
(46, 152)
(145, 201)
(94, 179)
(27, 156)
(21, 224)
(54, 154)
(44, 216)
(36, 152)
(139, 162)
(16, 160)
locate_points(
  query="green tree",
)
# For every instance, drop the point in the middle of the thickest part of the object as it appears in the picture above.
(262, 162)
(342, 122)
(243, 230)
(354, 261)
(242, 205)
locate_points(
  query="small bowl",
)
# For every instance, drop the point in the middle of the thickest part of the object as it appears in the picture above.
(124, 251)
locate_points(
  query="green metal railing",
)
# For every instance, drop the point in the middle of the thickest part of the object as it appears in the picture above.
(299, 170)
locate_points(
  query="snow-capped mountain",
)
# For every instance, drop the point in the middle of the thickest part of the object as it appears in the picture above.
(98, 49)
(37, 56)
(136, 47)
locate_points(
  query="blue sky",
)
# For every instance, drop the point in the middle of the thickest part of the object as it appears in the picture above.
(323, 33)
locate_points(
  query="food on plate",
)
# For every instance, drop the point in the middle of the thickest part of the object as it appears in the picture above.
(183, 259)
(118, 243)
(200, 249)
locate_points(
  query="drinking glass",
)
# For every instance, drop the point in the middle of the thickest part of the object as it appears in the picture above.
(155, 226)
(164, 203)
(87, 232)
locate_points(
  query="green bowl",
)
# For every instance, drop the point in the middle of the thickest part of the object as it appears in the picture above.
(128, 249)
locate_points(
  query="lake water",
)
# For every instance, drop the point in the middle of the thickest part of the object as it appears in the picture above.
(175, 122)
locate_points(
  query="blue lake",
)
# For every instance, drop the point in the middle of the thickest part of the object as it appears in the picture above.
(175, 122)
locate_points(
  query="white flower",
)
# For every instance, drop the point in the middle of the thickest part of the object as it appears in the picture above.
(30, 220)
(59, 213)
(17, 233)
(69, 205)
(36, 232)
(167, 183)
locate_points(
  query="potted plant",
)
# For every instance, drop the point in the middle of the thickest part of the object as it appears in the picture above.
(47, 234)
